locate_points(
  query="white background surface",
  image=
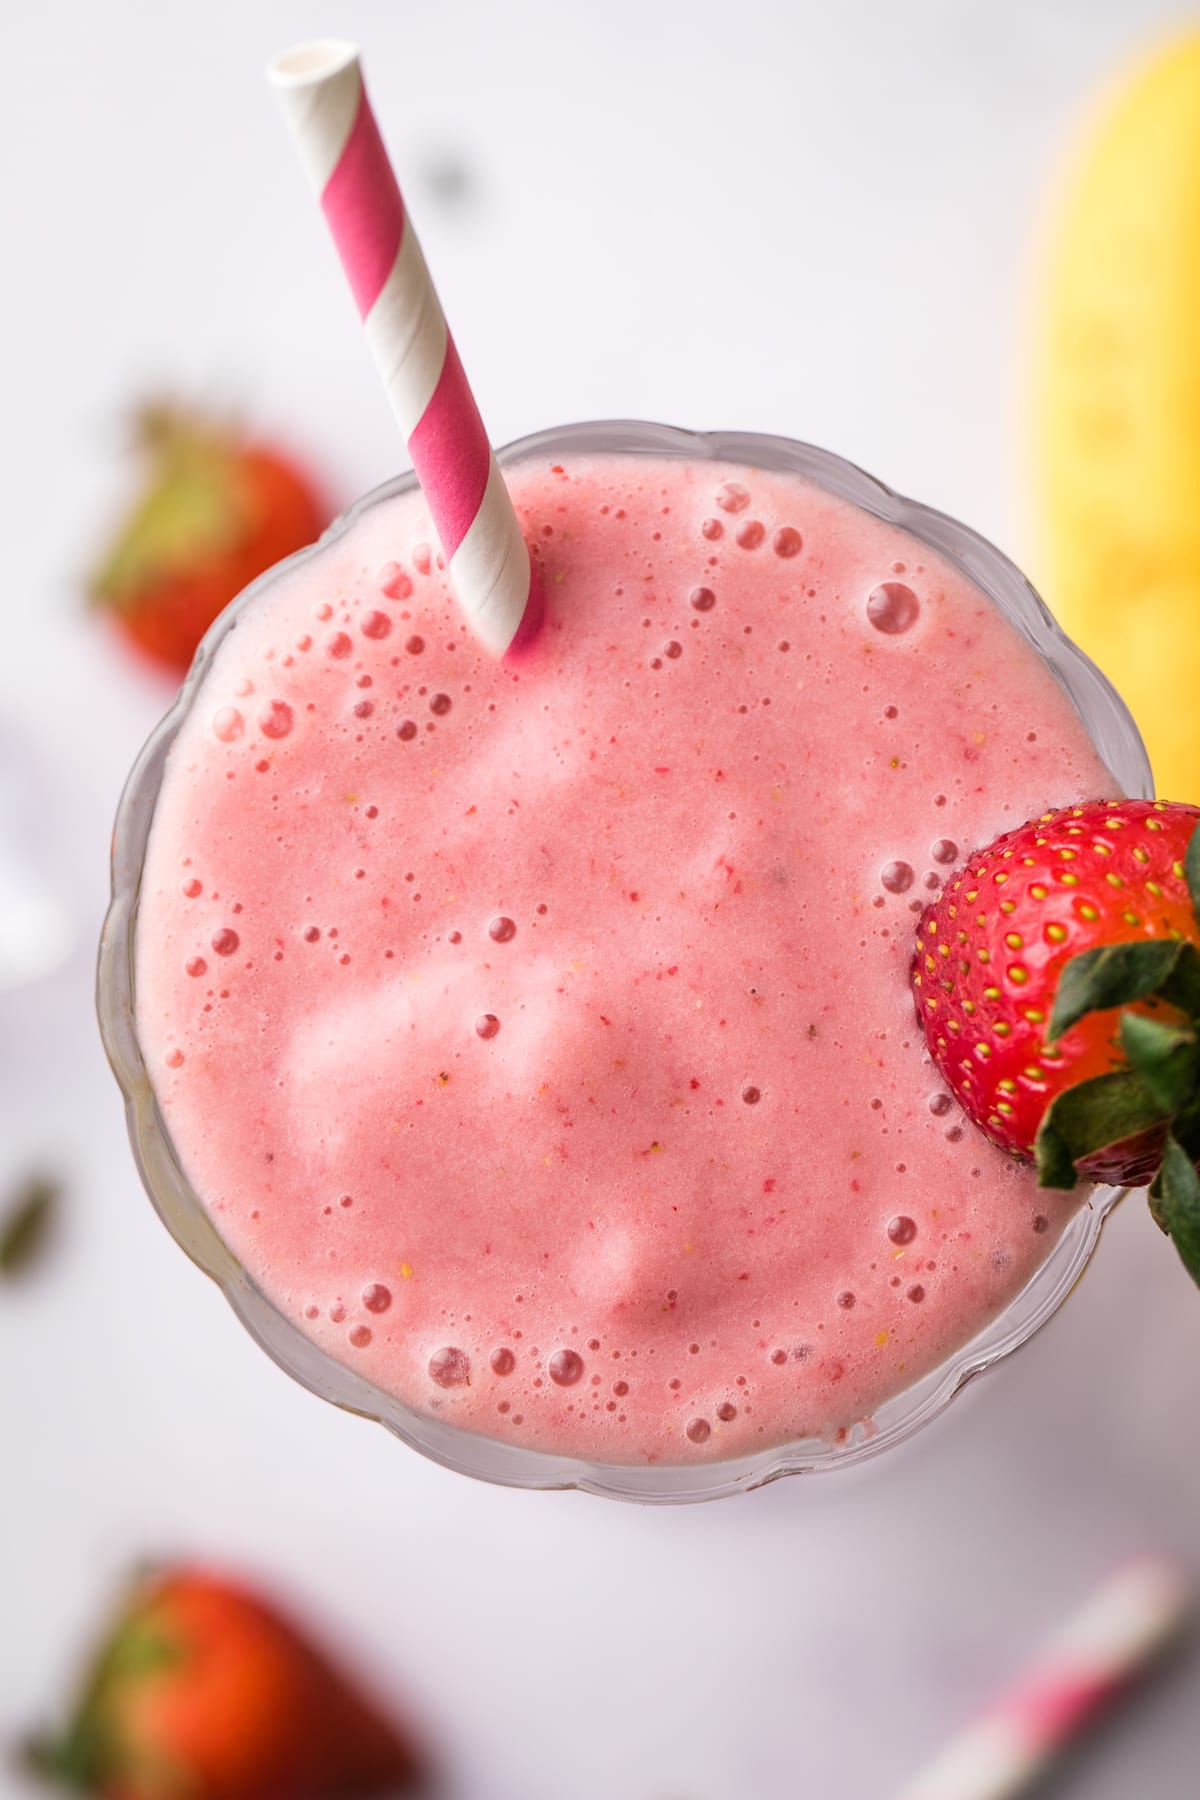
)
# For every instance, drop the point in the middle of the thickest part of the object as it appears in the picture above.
(818, 219)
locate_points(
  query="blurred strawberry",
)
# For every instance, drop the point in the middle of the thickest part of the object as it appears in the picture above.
(218, 509)
(203, 1692)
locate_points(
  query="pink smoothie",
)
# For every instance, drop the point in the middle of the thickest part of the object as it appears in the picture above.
(539, 1037)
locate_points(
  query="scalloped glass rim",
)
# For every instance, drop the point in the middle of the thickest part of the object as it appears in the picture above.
(1112, 731)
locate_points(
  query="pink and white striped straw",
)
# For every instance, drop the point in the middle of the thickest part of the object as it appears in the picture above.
(321, 90)
(1087, 1665)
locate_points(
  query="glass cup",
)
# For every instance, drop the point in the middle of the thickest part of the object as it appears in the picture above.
(1117, 742)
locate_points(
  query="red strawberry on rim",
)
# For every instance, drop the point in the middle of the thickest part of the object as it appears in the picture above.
(1057, 978)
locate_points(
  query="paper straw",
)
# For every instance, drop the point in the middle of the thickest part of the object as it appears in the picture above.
(321, 90)
(1092, 1660)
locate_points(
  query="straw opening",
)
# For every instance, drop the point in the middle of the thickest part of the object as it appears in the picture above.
(305, 64)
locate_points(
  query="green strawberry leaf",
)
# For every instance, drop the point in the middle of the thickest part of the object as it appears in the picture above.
(1182, 986)
(1086, 1118)
(81, 1759)
(1180, 1204)
(1055, 1163)
(1191, 869)
(143, 1648)
(1185, 1127)
(26, 1225)
(92, 1752)
(1167, 1058)
(1113, 976)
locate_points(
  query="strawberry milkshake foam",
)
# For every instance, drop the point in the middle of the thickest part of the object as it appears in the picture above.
(538, 1035)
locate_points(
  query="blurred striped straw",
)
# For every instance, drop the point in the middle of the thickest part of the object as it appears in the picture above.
(320, 88)
(1088, 1664)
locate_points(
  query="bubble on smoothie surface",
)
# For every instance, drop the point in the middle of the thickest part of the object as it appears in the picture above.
(503, 1361)
(944, 851)
(787, 541)
(276, 720)
(196, 965)
(502, 929)
(892, 608)
(228, 724)
(394, 582)
(440, 704)
(360, 1336)
(902, 1230)
(338, 646)
(375, 625)
(422, 557)
(225, 941)
(406, 730)
(450, 1368)
(698, 1431)
(940, 1104)
(897, 877)
(712, 529)
(566, 1367)
(192, 888)
(376, 1297)
(751, 534)
(702, 599)
(732, 497)
(487, 1025)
